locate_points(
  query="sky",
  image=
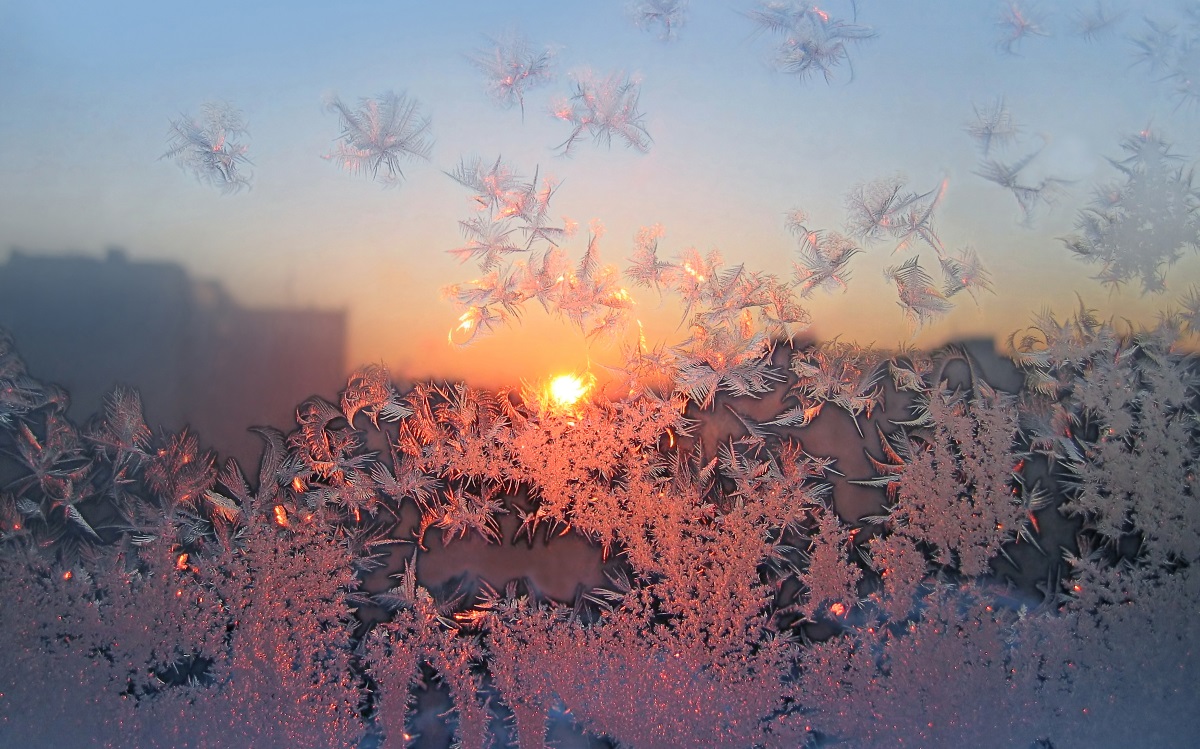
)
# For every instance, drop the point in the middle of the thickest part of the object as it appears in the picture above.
(90, 89)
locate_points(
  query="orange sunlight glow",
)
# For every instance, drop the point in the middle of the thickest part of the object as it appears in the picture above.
(566, 390)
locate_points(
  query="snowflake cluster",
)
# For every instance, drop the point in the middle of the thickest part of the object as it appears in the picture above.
(1139, 226)
(993, 126)
(209, 147)
(156, 599)
(512, 67)
(605, 108)
(379, 135)
(886, 208)
(813, 41)
(1170, 51)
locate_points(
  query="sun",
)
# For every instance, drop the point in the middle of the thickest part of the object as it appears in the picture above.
(566, 390)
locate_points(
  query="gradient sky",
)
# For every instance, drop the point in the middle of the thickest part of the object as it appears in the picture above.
(89, 89)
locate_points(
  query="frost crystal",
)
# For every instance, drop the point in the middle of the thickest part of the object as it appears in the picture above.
(669, 15)
(603, 108)
(379, 135)
(814, 42)
(993, 125)
(512, 67)
(921, 301)
(1095, 22)
(1018, 22)
(510, 208)
(208, 146)
(1170, 50)
(823, 257)
(156, 600)
(1139, 226)
(1029, 197)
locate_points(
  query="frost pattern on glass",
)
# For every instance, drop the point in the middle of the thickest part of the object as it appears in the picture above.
(509, 209)
(605, 108)
(209, 146)
(511, 67)
(159, 598)
(1137, 227)
(993, 125)
(381, 134)
(1169, 49)
(156, 596)
(1019, 21)
(813, 42)
(665, 17)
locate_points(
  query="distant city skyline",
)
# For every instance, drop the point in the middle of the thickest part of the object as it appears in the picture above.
(196, 357)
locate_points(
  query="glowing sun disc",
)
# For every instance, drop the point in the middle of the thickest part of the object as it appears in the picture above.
(566, 390)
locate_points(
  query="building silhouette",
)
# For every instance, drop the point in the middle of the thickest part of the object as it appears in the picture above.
(197, 357)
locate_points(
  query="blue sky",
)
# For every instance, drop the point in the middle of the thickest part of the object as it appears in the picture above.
(90, 89)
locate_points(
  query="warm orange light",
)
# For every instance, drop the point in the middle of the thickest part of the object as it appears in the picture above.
(298, 484)
(67, 575)
(181, 562)
(281, 515)
(567, 390)
(466, 322)
(838, 609)
(693, 272)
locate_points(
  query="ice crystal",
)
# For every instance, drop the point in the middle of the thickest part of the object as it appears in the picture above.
(1191, 310)
(830, 581)
(921, 301)
(1170, 50)
(587, 295)
(814, 42)
(603, 108)
(993, 125)
(1029, 197)
(1125, 406)
(208, 146)
(965, 272)
(1139, 226)
(741, 608)
(512, 66)
(667, 15)
(884, 207)
(874, 208)
(379, 135)
(736, 315)
(1018, 22)
(902, 569)
(1093, 23)
(1155, 47)
(823, 257)
(955, 490)
(370, 391)
(835, 372)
